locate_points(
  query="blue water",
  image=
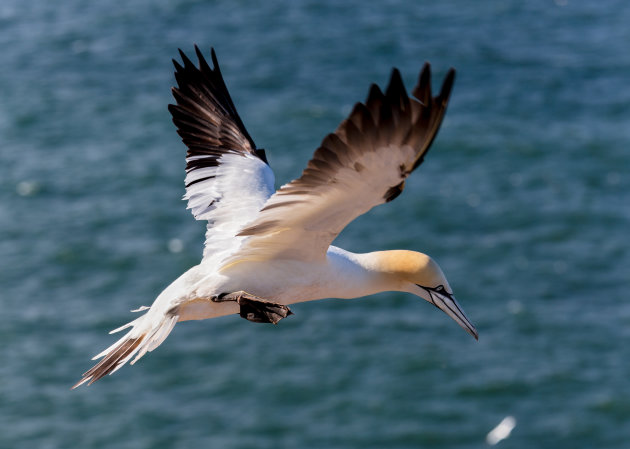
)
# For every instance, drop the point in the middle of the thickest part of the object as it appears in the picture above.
(524, 200)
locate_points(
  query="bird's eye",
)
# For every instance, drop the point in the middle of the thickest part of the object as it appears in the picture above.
(439, 288)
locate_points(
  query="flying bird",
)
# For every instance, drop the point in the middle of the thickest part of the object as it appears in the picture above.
(266, 249)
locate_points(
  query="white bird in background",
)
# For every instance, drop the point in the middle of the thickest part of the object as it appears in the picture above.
(266, 249)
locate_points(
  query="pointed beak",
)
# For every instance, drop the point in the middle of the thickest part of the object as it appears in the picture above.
(449, 305)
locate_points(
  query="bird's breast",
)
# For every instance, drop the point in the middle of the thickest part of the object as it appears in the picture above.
(339, 275)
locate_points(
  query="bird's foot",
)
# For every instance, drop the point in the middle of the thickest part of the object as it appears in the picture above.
(256, 309)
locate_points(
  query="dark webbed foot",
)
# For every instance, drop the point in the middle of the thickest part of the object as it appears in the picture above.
(261, 311)
(257, 309)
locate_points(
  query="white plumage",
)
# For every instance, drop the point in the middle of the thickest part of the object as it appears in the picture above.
(266, 249)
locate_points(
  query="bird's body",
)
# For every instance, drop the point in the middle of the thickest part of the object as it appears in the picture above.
(341, 274)
(267, 249)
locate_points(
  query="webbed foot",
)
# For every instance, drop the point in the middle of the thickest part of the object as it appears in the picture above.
(255, 309)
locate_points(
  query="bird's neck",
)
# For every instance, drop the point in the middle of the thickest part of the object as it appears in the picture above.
(368, 273)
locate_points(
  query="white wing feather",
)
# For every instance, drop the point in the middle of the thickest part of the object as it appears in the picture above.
(227, 178)
(232, 197)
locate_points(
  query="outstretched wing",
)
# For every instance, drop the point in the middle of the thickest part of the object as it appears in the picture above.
(228, 179)
(362, 164)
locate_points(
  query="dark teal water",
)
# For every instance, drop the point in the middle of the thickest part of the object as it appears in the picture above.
(524, 201)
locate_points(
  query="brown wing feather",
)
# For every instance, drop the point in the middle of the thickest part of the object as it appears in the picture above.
(362, 164)
(390, 119)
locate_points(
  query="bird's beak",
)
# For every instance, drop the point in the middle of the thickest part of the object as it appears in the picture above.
(447, 303)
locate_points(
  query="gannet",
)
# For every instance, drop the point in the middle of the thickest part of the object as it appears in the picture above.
(266, 249)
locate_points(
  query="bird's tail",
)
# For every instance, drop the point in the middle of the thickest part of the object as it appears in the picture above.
(147, 333)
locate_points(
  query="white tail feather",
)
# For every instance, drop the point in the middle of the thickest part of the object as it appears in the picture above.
(156, 338)
(147, 333)
(124, 326)
(140, 309)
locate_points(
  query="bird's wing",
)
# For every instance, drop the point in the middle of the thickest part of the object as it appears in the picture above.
(228, 179)
(362, 164)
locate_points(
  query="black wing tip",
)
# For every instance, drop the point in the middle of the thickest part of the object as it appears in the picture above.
(395, 75)
(359, 109)
(204, 85)
(178, 66)
(447, 85)
(425, 74)
(396, 86)
(374, 93)
(185, 59)
(203, 64)
(422, 91)
(213, 56)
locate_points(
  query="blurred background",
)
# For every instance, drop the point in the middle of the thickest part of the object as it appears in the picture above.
(524, 201)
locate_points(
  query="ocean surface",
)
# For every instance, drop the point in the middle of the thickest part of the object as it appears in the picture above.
(524, 200)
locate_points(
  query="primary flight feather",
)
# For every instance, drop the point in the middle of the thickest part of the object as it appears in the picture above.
(266, 249)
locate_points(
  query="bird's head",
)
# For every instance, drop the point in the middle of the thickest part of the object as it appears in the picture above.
(419, 274)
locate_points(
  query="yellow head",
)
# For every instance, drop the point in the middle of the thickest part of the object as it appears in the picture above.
(411, 266)
(417, 273)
